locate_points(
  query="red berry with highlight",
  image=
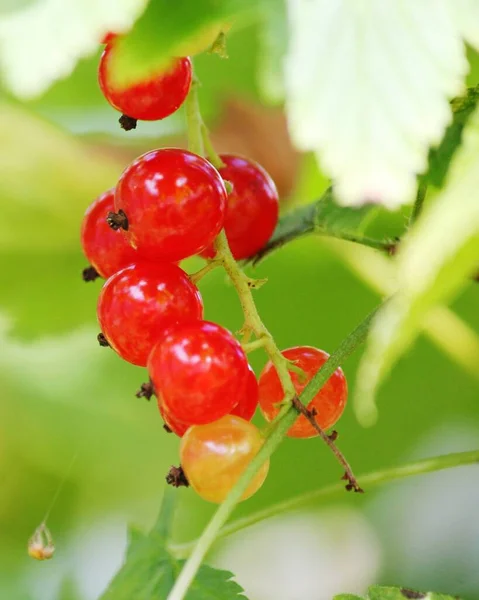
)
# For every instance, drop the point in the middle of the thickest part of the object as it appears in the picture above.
(253, 206)
(329, 402)
(138, 303)
(157, 97)
(199, 372)
(175, 203)
(108, 251)
(248, 402)
(214, 456)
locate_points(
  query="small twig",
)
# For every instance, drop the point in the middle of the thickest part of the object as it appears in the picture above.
(127, 123)
(418, 204)
(329, 440)
(176, 477)
(117, 220)
(146, 391)
(195, 277)
(102, 340)
(250, 346)
(90, 274)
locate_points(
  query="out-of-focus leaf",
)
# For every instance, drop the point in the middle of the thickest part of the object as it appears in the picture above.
(149, 571)
(47, 179)
(323, 217)
(440, 157)
(273, 39)
(434, 263)
(166, 26)
(42, 41)
(368, 88)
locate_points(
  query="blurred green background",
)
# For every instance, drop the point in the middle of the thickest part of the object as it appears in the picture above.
(62, 395)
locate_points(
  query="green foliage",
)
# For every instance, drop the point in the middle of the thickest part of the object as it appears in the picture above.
(323, 217)
(163, 28)
(149, 571)
(377, 592)
(440, 157)
(434, 262)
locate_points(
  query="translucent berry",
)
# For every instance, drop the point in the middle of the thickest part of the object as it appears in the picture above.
(139, 302)
(214, 456)
(175, 203)
(108, 251)
(252, 210)
(152, 99)
(248, 402)
(329, 402)
(199, 372)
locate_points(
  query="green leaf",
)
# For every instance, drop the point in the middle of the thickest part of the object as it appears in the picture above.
(323, 217)
(377, 592)
(42, 41)
(368, 86)
(433, 266)
(149, 571)
(165, 29)
(440, 157)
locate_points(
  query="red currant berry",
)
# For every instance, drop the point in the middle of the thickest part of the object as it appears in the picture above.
(199, 372)
(247, 404)
(329, 402)
(252, 210)
(139, 302)
(175, 202)
(155, 98)
(108, 251)
(176, 426)
(214, 456)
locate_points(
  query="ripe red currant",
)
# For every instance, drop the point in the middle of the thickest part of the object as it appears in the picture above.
(175, 203)
(155, 98)
(248, 402)
(199, 372)
(177, 427)
(329, 402)
(139, 302)
(214, 456)
(108, 251)
(253, 205)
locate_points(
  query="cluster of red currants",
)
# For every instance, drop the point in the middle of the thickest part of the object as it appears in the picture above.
(170, 204)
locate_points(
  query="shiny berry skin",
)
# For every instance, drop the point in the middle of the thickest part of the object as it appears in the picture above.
(107, 250)
(214, 456)
(248, 402)
(329, 402)
(199, 372)
(175, 202)
(253, 206)
(152, 99)
(139, 302)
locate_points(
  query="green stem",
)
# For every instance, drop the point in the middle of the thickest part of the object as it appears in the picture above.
(194, 120)
(211, 153)
(418, 204)
(375, 478)
(276, 433)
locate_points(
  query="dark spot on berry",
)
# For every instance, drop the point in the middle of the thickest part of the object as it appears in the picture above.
(117, 220)
(176, 477)
(102, 340)
(407, 593)
(127, 123)
(90, 274)
(167, 429)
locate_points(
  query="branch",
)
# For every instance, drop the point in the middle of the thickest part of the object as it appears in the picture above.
(372, 479)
